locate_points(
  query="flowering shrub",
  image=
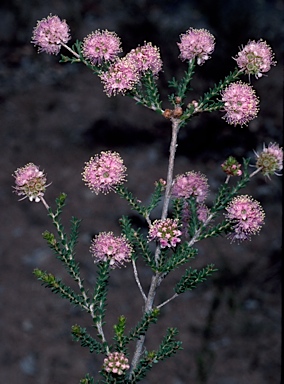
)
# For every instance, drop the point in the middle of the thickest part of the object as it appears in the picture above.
(185, 217)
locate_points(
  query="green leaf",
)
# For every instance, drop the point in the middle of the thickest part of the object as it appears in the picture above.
(81, 335)
(192, 277)
(57, 286)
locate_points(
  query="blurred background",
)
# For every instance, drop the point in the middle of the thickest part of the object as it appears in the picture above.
(56, 116)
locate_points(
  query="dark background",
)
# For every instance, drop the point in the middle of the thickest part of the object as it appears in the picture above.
(57, 116)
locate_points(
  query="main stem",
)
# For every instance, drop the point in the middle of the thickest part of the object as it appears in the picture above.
(158, 277)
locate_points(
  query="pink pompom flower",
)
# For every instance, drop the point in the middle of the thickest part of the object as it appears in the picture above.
(191, 184)
(166, 232)
(196, 43)
(255, 58)
(240, 103)
(30, 182)
(270, 160)
(115, 249)
(116, 363)
(50, 33)
(104, 172)
(101, 46)
(122, 76)
(246, 216)
(146, 58)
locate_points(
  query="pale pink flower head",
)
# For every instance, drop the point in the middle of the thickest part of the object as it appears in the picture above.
(191, 184)
(116, 363)
(240, 103)
(122, 76)
(246, 216)
(196, 43)
(202, 212)
(231, 167)
(255, 58)
(50, 33)
(101, 46)
(115, 249)
(104, 172)
(146, 58)
(30, 182)
(166, 232)
(270, 159)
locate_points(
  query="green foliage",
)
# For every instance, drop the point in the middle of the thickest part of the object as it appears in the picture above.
(87, 380)
(56, 286)
(122, 340)
(192, 277)
(182, 86)
(168, 347)
(151, 92)
(98, 303)
(133, 201)
(142, 326)
(119, 336)
(182, 254)
(217, 230)
(138, 241)
(155, 197)
(86, 340)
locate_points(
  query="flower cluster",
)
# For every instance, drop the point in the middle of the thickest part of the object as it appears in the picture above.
(270, 159)
(246, 216)
(146, 58)
(30, 182)
(231, 167)
(116, 363)
(166, 232)
(121, 77)
(50, 33)
(240, 103)
(104, 172)
(115, 249)
(191, 184)
(196, 43)
(255, 58)
(202, 212)
(101, 46)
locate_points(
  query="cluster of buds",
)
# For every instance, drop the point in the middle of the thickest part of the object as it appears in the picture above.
(116, 363)
(166, 232)
(231, 167)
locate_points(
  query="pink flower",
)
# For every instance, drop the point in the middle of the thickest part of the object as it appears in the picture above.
(116, 363)
(166, 232)
(246, 216)
(196, 43)
(231, 167)
(240, 103)
(50, 33)
(30, 182)
(107, 247)
(101, 46)
(191, 184)
(120, 78)
(255, 58)
(270, 159)
(146, 58)
(202, 214)
(104, 172)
